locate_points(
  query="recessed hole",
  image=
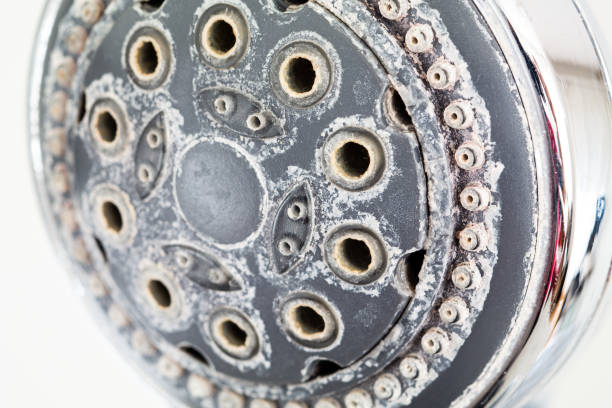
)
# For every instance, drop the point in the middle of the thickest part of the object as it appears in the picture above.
(353, 159)
(194, 353)
(354, 255)
(412, 267)
(300, 75)
(160, 293)
(290, 5)
(101, 249)
(147, 59)
(112, 217)
(309, 320)
(106, 126)
(221, 37)
(151, 5)
(233, 333)
(322, 368)
(397, 110)
(82, 107)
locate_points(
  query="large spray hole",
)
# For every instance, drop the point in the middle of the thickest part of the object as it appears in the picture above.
(147, 58)
(354, 255)
(300, 75)
(160, 293)
(112, 217)
(233, 334)
(309, 320)
(353, 159)
(221, 37)
(106, 126)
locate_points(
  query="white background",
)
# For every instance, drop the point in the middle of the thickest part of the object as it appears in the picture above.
(51, 352)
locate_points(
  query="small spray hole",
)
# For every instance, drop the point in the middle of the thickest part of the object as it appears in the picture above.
(112, 217)
(300, 75)
(309, 320)
(233, 334)
(287, 247)
(296, 211)
(354, 255)
(160, 293)
(255, 122)
(144, 174)
(221, 37)
(353, 159)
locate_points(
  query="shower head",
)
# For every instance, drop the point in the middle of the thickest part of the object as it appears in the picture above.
(329, 203)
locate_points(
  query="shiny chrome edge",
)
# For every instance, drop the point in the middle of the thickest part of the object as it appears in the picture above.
(575, 249)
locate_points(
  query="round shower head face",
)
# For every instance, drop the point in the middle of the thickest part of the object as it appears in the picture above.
(282, 203)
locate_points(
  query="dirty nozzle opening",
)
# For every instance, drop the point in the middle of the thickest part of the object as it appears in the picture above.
(233, 334)
(309, 320)
(147, 58)
(112, 217)
(106, 126)
(300, 75)
(160, 293)
(221, 37)
(355, 255)
(354, 159)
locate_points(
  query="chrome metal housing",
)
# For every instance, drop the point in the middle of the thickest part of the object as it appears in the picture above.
(566, 97)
